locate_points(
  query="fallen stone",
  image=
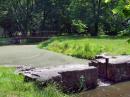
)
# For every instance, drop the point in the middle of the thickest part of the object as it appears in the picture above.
(113, 68)
(71, 77)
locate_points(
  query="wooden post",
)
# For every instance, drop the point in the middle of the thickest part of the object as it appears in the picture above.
(107, 62)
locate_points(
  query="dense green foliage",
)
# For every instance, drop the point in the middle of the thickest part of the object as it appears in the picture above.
(84, 47)
(91, 17)
(13, 85)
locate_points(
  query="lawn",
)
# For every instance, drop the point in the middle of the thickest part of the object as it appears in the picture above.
(13, 85)
(85, 47)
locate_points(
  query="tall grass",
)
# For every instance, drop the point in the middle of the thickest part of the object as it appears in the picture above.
(88, 48)
(12, 85)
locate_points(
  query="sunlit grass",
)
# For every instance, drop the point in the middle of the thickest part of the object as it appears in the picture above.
(84, 47)
(13, 85)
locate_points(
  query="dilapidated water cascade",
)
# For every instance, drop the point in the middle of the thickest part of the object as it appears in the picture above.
(103, 71)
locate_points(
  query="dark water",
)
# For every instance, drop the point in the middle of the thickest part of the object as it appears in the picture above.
(117, 90)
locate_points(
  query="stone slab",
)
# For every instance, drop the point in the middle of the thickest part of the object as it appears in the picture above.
(70, 77)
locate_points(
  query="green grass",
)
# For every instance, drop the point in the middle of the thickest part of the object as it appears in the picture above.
(4, 41)
(13, 85)
(88, 48)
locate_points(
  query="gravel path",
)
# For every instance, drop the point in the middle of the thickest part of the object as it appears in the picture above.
(31, 55)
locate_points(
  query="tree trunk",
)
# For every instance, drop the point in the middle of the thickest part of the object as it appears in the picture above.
(94, 32)
(96, 17)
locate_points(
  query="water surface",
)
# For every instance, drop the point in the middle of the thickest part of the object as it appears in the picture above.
(116, 90)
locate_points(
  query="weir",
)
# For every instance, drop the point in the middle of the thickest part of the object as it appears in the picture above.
(72, 78)
(77, 77)
(112, 68)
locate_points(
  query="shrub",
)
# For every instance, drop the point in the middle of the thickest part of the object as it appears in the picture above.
(79, 26)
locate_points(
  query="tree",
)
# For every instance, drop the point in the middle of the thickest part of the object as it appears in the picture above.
(95, 16)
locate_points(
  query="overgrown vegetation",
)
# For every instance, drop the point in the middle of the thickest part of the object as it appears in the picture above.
(13, 85)
(84, 47)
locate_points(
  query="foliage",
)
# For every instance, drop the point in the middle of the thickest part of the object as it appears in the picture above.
(13, 85)
(122, 7)
(79, 26)
(87, 48)
(124, 33)
(69, 16)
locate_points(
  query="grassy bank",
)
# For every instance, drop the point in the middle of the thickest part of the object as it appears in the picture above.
(84, 47)
(4, 41)
(12, 85)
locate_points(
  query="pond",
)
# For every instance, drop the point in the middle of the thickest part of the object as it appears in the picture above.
(116, 90)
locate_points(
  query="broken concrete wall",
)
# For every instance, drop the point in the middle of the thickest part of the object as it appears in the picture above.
(119, 72)
(113, 68)
(78, 80)
(71, 77)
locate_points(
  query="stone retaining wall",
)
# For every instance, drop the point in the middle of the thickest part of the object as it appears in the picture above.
(113, 68)
(72, 78)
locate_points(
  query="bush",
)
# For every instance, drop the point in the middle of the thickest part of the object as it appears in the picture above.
(125, 32)
(79, 26)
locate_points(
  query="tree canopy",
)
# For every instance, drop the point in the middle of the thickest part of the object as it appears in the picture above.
(90, 17)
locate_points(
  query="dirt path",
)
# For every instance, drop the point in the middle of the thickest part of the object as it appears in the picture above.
(31, 55)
